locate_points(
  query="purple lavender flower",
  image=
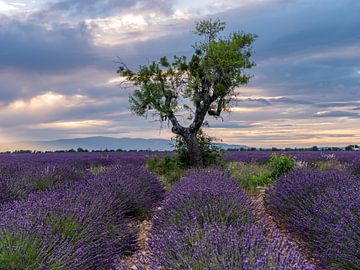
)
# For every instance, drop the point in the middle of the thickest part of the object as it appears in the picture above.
(136, 187)
(322, 208)
(205, 197)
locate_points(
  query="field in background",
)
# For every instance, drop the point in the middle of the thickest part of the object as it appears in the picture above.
(255, 211)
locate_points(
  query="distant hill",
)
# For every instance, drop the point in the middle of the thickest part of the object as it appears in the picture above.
(102, 143)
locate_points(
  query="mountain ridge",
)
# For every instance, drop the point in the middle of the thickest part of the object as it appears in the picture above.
(103, 142)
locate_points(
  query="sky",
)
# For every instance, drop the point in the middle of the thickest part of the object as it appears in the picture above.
(58, 68)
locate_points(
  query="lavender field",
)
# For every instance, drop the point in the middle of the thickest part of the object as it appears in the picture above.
(254, 211)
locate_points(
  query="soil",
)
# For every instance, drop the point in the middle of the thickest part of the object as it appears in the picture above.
(143, 251)
(272, 224)
(257, 198)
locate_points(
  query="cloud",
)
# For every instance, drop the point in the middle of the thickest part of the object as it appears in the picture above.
(338, 104)
(95, 8)
(30, 45)
(58, 79)
(6, 8)
(337, 114)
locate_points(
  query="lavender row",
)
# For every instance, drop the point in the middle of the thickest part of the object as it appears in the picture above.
(17, 184)
(322, 208)
(208, 222)
(309, 156)
(82, 225)
(25, 173)
(11, 164)
(139, 189)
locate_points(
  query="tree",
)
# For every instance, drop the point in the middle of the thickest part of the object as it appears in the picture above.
(203, 85)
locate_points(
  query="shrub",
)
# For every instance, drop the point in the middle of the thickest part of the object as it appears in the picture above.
(222, 247)
(211, 197)
(168, 168)
(39, 177)
(134, 186)
(248, 174)
(207, 222)
(211, 153)
(280, 165)
(330, 164)
(79, 226)
(20, 251)
(322, 208)
(252, 175)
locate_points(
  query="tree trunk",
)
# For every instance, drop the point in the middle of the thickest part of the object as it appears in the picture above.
(192, 144)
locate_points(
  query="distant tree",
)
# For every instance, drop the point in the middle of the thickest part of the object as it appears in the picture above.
(22, 151)
(203, 85)
(349, 148)
(314, 148)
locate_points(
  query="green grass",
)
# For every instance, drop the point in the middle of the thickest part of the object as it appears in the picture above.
(253, 175)
(22, 251)
(64, 226)
(324, 165)
(249, 175)
(97, 169)
(169, 169)
(19, 251)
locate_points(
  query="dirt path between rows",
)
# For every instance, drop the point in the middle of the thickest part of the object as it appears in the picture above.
(143, 228)
(257, 198)
(272, 224)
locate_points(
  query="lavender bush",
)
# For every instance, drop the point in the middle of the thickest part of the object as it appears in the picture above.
(223, 247)
(77, 226)
(136, 187)
(322, 208)
(21, 174)
(205, 197)
(27, 179)
(69, 211)
(207, 222)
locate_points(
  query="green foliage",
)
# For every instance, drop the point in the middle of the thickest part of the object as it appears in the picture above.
(19, 251)
(324, 165)
(280, 165)
(65, 227)
(263, 179)
(23, 251)
(207, 80)
(97, 169)
(211, 153)
(216, 67)
(42, 184)
(168, 168)
(252, 175)
(249, 175)
(203, 85)
(209, 28)
(171, 168)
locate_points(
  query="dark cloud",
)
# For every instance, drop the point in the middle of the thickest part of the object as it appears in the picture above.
(307, 52)
(32, 46)
(95, 8)
(305, 47)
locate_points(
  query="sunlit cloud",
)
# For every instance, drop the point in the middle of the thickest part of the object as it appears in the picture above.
(6, 8)
(83, 124)
(47, 101)
(63, 83)
(130, 28)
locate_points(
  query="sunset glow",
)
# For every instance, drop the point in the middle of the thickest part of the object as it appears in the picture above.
(59, 60)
